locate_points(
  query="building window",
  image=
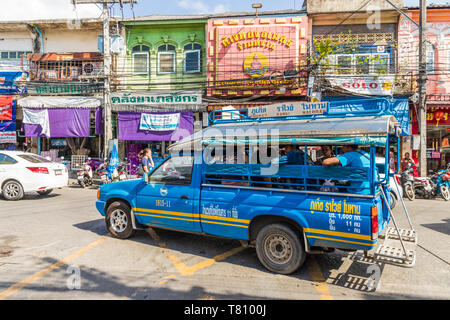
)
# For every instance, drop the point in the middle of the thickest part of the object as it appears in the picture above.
(192, 58)
(344, 63)
(380, 63)
(12, 55)
(362, 63)
(140, 59)
(166, 59)
(430, 58)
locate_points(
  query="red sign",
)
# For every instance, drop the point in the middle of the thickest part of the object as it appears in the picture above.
(265, 56)
(6, 112)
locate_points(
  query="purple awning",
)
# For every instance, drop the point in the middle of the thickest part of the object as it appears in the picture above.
(64, 123)
(129, 128)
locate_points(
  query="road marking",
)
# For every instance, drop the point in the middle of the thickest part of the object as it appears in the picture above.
(188, 271)
(316, 274)
(38, 275)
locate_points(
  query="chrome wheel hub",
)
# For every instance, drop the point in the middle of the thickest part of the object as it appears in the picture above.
(118, 221)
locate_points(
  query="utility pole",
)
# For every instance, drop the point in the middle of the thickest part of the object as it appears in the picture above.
(423, 89)
(107, 74)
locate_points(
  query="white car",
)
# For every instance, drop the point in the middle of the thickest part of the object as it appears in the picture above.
(22, 172)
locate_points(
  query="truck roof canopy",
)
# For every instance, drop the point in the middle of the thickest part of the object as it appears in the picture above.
(369, 130)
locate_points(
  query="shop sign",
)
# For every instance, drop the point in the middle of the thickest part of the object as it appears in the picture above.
(246, 55)
(380, 85)
(64, 88)
(159, 122)
(13, 82)
(435, 155)
(438, 117)
(8, 137)
(125, 98)
(6, 108)
(288, 109)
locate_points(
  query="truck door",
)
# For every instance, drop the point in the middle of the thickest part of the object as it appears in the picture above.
(168, 198)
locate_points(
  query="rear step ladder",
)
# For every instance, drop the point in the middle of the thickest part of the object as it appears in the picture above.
(399, 245)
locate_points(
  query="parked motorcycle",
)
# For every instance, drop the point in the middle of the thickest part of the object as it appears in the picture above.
(102, 171)
(441, 180)
(85, 175)
(406, 181)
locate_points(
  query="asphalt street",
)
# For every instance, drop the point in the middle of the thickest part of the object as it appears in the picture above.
(57, 247)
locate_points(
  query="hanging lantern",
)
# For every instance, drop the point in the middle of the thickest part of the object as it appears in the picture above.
(438, 115)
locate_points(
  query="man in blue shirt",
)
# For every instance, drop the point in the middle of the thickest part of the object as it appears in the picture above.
(294, 155)
(354, 158)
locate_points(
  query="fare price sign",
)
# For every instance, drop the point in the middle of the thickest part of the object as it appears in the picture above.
(288, 109)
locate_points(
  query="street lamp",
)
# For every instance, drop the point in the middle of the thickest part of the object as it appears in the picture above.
(257, 6)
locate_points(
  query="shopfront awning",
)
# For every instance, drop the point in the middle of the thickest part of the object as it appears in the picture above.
(43, 102)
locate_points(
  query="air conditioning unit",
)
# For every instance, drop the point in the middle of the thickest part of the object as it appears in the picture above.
(92, 68)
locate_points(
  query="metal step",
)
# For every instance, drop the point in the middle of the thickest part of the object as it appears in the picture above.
(392, 252)
(406, 234)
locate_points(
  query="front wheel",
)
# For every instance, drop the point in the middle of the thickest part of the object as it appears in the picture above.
(393, 200)
(445, 193)
(409, 191)
(118, 220)
(279, 248)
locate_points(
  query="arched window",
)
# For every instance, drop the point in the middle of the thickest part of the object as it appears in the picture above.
(192, 58)
(140, 59)
(166, 59)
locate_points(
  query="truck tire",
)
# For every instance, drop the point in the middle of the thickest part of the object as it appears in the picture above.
(118, 220)
(12, 190)
(279, 248)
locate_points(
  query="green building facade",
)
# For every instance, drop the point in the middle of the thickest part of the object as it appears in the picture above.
(165, 55)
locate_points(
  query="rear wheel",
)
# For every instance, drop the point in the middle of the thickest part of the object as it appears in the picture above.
(279, 248)
(445, 193)
(12, 190)
(45, 192)
(118, 220)
(409, 191)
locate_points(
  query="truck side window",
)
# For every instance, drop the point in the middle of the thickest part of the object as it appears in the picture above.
(176, 171)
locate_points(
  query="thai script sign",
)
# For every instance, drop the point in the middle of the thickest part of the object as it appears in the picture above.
(257, 56)
(288, 109)
(156, 98)
(8, 137)
(60, 88)
(159, 122)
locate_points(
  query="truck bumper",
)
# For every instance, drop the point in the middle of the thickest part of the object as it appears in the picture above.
(100, 205)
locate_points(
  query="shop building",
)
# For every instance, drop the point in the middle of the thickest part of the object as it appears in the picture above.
(438, 80)
(64, 85)
(256, 60)
(157, 99)
(358, 73)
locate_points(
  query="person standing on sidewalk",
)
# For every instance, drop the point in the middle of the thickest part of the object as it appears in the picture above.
(146, 161)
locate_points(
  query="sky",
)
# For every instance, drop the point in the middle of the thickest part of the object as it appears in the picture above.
(11, 10)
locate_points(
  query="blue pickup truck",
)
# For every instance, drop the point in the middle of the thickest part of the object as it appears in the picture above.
(284, 210)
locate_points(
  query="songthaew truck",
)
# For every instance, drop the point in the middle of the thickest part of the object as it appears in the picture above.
(231, 180)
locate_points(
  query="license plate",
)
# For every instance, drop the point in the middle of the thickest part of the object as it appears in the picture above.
(58, 172)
